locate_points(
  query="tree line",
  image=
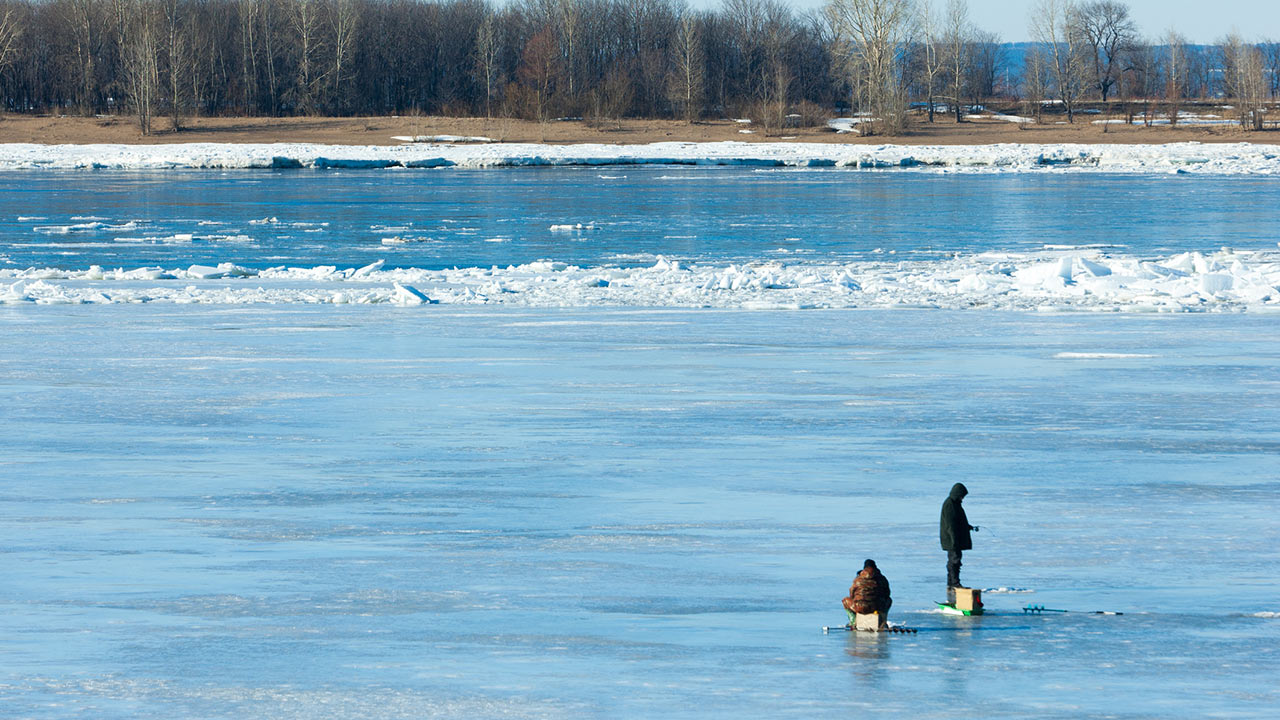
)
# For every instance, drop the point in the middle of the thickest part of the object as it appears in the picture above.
(597, 59)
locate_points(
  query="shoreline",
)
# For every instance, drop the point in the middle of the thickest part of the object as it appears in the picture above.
(1096, 129)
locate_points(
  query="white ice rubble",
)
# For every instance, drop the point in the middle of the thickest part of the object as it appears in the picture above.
(1236, 158)
(1046, 280)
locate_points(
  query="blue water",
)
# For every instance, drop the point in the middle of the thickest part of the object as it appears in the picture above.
(371, 512)
(500, 217)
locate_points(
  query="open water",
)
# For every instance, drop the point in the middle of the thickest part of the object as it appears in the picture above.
(479, 218)
(375, 512)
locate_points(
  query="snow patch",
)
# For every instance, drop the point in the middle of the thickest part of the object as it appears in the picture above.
(442, 138)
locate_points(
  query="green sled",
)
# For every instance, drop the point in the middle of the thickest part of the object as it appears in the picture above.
(948, 609)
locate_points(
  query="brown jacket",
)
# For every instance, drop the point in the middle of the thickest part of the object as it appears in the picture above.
(869, 593)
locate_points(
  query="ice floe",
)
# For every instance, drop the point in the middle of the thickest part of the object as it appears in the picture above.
(1235, 158)
(1046, 280)
(94, 225)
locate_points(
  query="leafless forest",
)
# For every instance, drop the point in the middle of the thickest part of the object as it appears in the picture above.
(605, 59)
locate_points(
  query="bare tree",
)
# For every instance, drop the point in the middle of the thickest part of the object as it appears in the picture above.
(10, 34)
(174, 39)
(85, 22)
(1143, 79)
(569, 22)
(1175, 75)
(779, 30)
(613, 96)
(1108, 31)
(271, 42)
(1203, 72)
(986, 57)
(746, 66)
(688, 67)
(539, 67)
(487, 50)
(1271, 59)
(627, 57)
(247, 16)
(1055, 24)
(873, 34)
(344, 18)
(141, 67)
(309, 79)
(1035, 82)
(1242, 75)
(930, 56)
(956, 43)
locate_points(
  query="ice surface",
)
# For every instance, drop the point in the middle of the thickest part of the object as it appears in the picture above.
(308, 512)
(1232, 158)
(1098, 356)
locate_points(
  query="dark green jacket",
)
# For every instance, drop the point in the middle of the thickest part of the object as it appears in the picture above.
(954, 528)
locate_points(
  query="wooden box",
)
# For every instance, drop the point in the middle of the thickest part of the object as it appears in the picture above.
(871, 622)
(968, 599)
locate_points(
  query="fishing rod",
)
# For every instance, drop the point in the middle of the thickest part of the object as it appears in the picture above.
(826, 629)
(1039, 609)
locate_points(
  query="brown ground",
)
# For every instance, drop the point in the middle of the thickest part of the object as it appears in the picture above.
(379, 131)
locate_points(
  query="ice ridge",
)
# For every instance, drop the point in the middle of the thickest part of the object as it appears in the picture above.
(1056, 280)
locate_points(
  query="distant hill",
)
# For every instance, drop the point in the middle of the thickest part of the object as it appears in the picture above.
(1014, 54)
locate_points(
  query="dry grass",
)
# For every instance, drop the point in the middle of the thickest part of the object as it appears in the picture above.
(379, 131)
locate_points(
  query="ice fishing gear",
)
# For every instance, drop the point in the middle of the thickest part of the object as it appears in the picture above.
(827, 629)
(949, 609)
(1039, 609)
(962, 601)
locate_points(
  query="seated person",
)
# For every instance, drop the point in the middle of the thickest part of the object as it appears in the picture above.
(869, 594)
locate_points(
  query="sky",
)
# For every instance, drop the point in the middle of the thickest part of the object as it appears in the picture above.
(1201, 21)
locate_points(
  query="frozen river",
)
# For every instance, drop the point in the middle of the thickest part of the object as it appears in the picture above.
(320, 511)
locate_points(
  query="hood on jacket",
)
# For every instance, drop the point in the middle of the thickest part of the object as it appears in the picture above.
(958, 491)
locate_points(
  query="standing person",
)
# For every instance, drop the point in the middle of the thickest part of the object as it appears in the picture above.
(869, 594)
(954, 531)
